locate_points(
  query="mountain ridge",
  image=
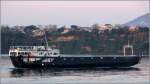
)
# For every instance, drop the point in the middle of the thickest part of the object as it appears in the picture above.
(143, 21)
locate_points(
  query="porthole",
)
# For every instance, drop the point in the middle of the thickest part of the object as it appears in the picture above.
(42, 64)
(64, 58)
(101, 57)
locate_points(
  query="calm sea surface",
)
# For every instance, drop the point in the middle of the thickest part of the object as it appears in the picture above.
(138, 74)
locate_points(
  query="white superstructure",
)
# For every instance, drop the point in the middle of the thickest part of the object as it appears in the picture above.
(33, 51)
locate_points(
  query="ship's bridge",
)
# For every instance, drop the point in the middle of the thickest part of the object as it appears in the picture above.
(33, 51)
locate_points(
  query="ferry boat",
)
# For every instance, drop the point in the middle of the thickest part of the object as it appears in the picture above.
(45, 56)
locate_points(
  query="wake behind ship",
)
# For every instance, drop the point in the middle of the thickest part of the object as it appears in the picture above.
(45, 56)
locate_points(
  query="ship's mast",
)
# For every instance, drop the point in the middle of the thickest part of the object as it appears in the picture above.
(46, 40)
(128, 46)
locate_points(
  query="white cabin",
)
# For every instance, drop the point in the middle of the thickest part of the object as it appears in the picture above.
(39, 51)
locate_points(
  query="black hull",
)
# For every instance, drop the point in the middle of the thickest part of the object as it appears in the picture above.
(71, 62)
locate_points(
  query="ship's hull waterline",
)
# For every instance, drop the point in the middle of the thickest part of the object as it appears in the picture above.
(73, 62)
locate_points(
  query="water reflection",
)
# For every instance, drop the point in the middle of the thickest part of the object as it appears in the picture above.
(45, 72)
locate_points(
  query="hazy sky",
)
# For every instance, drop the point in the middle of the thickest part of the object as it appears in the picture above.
(83, 13)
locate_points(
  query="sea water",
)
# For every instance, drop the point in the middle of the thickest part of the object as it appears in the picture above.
(138, 74)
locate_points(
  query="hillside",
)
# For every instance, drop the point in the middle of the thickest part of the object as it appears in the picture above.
(78, 41)
(143, 21)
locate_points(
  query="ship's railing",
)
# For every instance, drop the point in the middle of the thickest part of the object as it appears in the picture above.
(28, 48)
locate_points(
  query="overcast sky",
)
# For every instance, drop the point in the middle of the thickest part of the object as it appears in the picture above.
(83, 13)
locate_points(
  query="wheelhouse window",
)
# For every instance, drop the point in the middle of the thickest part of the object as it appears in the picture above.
(49, 53)
(26, 53)
(41, 53)
(55, 53)
(13, 54)
(22, 53)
